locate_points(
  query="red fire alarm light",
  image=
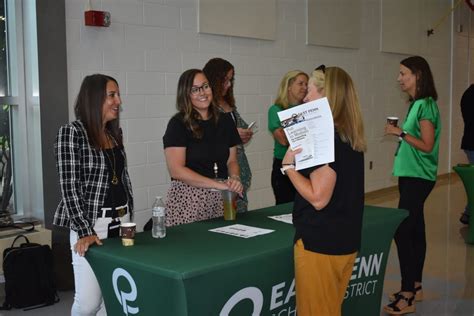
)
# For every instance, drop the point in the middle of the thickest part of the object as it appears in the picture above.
(97, 18)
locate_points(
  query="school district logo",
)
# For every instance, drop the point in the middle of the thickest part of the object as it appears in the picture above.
(251, 293)
(124, 297)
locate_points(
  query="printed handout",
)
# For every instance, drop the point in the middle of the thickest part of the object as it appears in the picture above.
(285, 218)
(311, 127)
(242, 231)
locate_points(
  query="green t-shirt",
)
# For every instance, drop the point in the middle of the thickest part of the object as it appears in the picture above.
(279, 150)
(411, 162)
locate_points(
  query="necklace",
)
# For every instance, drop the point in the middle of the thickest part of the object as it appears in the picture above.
(115, 179)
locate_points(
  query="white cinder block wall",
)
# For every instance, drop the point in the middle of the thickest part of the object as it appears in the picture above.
(151, 42)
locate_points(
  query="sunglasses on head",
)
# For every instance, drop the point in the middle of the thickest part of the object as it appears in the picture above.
(322, 68)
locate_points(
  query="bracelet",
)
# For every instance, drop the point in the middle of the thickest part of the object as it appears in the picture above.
(234, 177)
(287, 167)
(288, 164)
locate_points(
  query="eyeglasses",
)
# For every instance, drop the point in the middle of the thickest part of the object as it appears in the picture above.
(322, 68)
(196, 90)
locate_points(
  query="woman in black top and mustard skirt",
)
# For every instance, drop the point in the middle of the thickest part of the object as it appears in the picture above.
(96, 193)
(329, 201)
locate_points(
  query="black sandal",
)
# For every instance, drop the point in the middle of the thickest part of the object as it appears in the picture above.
(418, 295)
(393, 309)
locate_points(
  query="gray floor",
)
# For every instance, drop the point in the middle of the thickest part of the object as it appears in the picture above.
(59, 309)
(448, 276)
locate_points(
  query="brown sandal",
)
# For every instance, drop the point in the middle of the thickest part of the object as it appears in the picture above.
(418, 295)
(393, 309)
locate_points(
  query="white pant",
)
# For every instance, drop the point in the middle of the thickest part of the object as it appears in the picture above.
(88, 297)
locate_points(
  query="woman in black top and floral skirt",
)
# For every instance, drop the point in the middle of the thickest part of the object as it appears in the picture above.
(95, 185)
(200, 148)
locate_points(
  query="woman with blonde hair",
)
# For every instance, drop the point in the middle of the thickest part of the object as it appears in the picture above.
(291, 92)
(329, 201)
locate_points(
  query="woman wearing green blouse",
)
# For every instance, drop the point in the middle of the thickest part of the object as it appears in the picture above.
(291, 92)
(416, 165)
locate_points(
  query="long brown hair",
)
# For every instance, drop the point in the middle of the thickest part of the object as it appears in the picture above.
(184, 103)
(342, 96)
(216, 70)
(425, 86)
(88, 109)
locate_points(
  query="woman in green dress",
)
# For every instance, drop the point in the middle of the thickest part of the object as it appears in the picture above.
(291, 92)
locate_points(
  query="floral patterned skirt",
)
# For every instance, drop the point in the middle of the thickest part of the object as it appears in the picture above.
(187, 204)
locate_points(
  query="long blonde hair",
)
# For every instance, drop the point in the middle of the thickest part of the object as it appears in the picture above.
(286, 81)
(342, 96)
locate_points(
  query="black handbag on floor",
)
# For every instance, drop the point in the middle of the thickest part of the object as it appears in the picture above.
(29, 277)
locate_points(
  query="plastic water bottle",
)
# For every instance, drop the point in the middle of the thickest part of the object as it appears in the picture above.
(159, 216)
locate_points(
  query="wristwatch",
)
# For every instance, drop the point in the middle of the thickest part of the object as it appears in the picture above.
(286, 167)
(402, 135)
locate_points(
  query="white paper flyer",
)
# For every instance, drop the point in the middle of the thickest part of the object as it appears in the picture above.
(285, 218)
(242, 231)
(311, 127)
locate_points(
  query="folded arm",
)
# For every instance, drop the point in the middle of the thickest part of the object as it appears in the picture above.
(425, 143)
(280, 136)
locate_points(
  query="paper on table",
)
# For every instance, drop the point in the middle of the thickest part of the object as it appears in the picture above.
(311, 127)
(285, 218)
(242, 231)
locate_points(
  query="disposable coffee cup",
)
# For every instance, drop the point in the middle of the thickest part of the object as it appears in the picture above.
(230, 205)
(392, 120)
(127, 231)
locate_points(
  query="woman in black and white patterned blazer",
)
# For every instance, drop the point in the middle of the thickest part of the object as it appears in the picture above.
(95, 185)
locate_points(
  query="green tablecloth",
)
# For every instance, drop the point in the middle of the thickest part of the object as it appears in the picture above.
(196, 272)
(466, 173)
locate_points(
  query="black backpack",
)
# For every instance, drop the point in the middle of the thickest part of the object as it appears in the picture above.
(29, 276)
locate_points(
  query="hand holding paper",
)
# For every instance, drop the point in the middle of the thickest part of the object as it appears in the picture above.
(311, 127)
(290, 155)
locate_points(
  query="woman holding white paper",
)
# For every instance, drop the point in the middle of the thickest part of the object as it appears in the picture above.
(291, 92)
(329, 201)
